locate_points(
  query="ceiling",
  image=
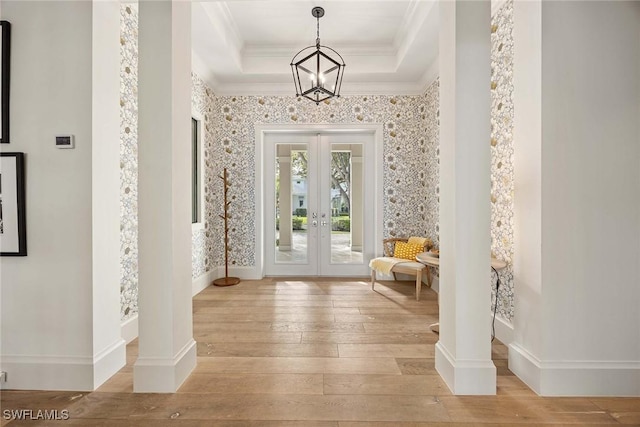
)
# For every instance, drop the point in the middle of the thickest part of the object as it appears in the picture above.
(244, 47)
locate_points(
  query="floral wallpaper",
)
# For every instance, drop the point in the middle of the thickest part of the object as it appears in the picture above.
(202, 103)
(502, 187)
(431, 119)
(410, 144)
(128, 161)
(411, 159)
(202, 247)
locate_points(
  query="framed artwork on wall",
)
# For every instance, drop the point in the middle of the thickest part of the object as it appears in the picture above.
(13, 219)
(5, 55)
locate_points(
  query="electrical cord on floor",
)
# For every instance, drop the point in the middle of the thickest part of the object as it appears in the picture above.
(495, 307)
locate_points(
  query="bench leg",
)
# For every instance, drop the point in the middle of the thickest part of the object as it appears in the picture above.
(418, 284)
(373, 278)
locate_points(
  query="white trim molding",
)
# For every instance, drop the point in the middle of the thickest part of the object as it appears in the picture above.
(203, 282)
(129, 329)
(257, 271)
(244, 273)
(130, 326)
(504, 329)
(164, 375)
(468, 377)
(575, 377)
(81, 373)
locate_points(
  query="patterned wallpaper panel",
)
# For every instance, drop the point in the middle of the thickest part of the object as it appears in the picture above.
(411, 159)
(502, 187)
(202, 103)
(128, 161)
(432, 189)
(410, 145)
(502, 179)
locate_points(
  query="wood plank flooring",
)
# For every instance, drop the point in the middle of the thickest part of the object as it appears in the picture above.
(317, 353)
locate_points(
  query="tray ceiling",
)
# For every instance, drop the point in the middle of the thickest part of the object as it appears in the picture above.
(245, 47)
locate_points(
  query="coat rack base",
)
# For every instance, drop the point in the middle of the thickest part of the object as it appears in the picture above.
(226, 281)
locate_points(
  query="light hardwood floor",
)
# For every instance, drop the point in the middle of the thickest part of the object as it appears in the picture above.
(317, 353)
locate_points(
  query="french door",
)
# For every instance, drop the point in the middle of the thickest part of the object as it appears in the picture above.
(316, 218)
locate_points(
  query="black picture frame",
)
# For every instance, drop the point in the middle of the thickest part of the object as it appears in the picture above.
(5, 68)
(13, 215)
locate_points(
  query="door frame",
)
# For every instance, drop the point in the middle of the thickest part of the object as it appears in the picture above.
(262, 129)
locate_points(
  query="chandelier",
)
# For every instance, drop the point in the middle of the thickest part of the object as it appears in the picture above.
(317, 76)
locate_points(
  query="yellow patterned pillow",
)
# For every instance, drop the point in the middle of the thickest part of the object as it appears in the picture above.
(407, 250)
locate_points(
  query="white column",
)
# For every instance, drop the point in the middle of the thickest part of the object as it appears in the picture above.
(357, 190)
(463, 353)
(167, 351)
(284, 159)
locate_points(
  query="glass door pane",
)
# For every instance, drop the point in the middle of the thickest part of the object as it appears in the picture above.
(345, 177)
(291, 203)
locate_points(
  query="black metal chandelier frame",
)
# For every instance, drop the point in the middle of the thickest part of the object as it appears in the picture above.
(318, 92)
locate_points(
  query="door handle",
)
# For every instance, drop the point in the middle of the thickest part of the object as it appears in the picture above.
(314, 223)
(314, 215)
(323, 223)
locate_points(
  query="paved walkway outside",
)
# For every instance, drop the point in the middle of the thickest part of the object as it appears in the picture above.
(341, 252)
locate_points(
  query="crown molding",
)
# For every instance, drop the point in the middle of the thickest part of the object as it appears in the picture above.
(430, 76)
(290, 50)
(286, 89)
(401, 35)
(420, 12)
(200, 69)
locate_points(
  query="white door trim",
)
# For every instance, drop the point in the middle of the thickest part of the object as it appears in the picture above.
(262, 129)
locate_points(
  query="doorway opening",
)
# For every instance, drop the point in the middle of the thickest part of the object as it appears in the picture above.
(321, 200)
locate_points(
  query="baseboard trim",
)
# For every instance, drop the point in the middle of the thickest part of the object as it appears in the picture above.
(27, 372)
(108, 362)
(575, 378)
(465, 377)
(129, 329)
(504, 329)
(164, 375)
(244, 273)
(203, 282)
(526, 366)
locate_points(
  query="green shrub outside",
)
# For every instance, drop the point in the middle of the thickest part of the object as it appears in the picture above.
(340, 224)
(296, 222)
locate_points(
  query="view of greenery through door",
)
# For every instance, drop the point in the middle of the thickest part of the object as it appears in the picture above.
(340, 185)
(340, 206)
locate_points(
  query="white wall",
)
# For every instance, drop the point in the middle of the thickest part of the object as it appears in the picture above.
(590, 158)
(47, 297)
(587, 331)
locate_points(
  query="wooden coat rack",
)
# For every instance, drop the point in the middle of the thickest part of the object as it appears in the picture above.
(226, 280)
